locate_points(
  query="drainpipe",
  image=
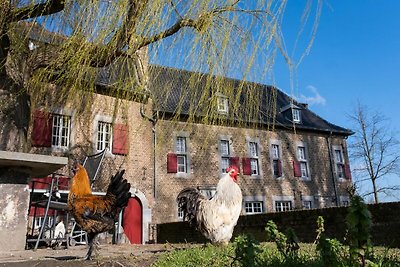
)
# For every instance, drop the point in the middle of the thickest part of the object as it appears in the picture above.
(328, 141)
(153, 120)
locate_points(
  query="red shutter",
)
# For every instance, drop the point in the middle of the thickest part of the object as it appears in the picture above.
(279, 168)
(41, 130)
(347, 171)
(172, 163)
(120, 144)
(235, 161)
(246, 163)
(296, 168)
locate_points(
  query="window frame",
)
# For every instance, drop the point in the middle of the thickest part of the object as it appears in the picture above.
(59, 117)
(296, 115)
(253, 208)
(104, 135)
(181, 153)
(279, 199)
(339, 163)
(276, 158)
(303, 159)
(254, 157)
(222, 104)
(224, 157)
(280, 203)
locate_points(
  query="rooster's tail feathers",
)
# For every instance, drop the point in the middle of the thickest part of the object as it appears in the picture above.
(119, 187)
(188, 201)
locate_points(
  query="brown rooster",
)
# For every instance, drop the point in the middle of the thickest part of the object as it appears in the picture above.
(215, 218)
(96, 214)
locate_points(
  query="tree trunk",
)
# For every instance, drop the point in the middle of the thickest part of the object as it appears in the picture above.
(375, 190)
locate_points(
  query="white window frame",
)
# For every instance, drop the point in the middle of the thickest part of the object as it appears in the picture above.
(283, 205)
(280, 200)
(254, 152)
(101, 136)
(60, 131)
(339, 162)
(253, 207)
(253, 199)
(225, 153)
(304, 161)
(222, 104)
(305, 200)
(181, 154)
(276, 157)
(179, 214)
(296, 115)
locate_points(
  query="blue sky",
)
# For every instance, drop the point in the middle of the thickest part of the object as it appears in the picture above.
(355, 58)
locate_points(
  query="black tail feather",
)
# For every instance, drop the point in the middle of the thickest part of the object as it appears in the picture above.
(119, 187)
(188, 201)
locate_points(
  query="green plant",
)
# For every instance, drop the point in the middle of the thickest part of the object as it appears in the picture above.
(359, 224)
(287, 244)
(330, 250)
(246, 251)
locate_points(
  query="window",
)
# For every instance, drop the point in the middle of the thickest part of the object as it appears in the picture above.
(252, 207)
(208, 192)
(181, 153)
(307, 204)
(38, 222)
(276, 160)
(283, 205)
(296, 115)
(302, 157)
(104, 135)
(222, 103)
(180, 213)
(225, 155)
(254, 164)
(339, 163)
(60, 131)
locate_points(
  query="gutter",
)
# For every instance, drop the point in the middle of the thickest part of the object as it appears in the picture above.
(153, 120)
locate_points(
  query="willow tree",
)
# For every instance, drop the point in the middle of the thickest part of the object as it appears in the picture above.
(76, 37)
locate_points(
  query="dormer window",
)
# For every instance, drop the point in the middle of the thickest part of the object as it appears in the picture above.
(222, 103)
(296, 116)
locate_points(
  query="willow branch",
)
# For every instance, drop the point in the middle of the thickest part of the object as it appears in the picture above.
(42, 9)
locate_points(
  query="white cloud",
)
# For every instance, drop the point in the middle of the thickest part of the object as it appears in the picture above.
(315, 99)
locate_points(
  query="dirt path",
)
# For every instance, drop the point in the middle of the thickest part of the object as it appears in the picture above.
(108, 255)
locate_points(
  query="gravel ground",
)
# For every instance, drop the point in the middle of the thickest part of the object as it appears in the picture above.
(108, 255)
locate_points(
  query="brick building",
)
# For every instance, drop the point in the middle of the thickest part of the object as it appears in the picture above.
(185, 129)
(289, 157)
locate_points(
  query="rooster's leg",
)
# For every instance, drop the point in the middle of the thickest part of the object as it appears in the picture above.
(91, 238)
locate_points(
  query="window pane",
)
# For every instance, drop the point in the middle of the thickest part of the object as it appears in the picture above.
(254, 166)
(301, 153)
(307, 205)
(296, 115)
(103, 135)
(224, 146)
(275, 151)
(181, 144)
(253, 149)
(224, 164)
(304, 169)
(275, 164)
(181, 162)
(60, 131)
(253, 207)
(338, 156)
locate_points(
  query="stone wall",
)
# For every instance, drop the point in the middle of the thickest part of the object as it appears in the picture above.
(385, 229)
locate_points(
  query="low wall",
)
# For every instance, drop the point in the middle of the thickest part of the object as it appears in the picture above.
(385, 230)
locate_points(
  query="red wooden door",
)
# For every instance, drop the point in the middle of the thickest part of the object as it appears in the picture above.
(132, 221)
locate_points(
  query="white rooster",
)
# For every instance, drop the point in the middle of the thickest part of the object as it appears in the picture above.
(215, 218)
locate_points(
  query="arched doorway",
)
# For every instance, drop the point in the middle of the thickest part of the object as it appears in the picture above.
(133, 221)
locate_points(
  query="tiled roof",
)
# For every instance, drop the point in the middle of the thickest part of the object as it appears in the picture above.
(181, 92)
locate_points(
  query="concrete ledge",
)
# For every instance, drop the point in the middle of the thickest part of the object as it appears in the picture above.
(34, 165)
